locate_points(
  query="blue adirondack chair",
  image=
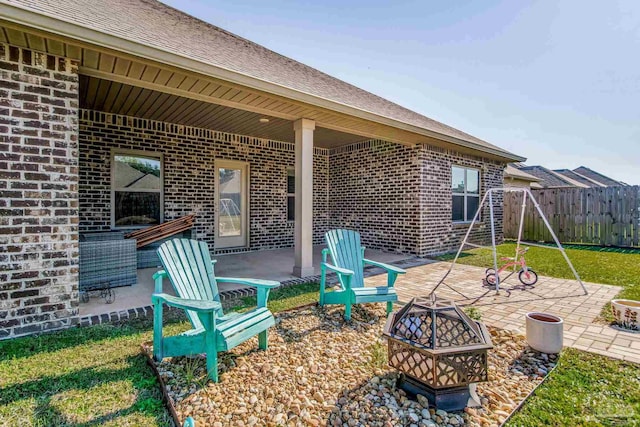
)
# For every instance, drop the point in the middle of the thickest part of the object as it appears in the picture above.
(189, 267)
(347, 256)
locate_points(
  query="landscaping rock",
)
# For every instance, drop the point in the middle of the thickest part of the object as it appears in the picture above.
(322, 371)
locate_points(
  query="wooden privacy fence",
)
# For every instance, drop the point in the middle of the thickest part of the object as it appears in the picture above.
(608, 216)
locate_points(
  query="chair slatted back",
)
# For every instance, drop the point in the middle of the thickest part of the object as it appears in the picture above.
(190, 269)
(346, 252)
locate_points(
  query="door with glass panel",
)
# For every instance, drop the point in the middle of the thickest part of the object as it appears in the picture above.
(232, 201)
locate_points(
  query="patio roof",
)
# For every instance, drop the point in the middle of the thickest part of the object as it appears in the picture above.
(124, 99)
(148, 44)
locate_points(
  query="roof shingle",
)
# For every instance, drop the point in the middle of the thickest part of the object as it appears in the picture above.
(578, 178)
(547, 178)
(513, 172)
(596, 176)
(153, 24)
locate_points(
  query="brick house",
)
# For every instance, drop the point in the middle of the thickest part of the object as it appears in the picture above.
(129, 113)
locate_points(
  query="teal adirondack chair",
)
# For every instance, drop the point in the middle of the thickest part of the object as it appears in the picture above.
(189, 267)
(347, 256)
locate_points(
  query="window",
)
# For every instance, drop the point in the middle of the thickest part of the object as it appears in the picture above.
(465, 187)
(136, 189)
(291, 195)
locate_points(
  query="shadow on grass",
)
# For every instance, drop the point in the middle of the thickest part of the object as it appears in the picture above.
(59, 340)
(280, 299)
(143, 385)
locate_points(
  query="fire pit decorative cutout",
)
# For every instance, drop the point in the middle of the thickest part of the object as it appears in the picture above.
(440, 351)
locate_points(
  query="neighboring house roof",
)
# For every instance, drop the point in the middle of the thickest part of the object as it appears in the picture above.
(571, 175)
(598, 177)
(129, 177)
(512, 172)
(548, 179)
(570, 180)
(152, 24)
(581, 177)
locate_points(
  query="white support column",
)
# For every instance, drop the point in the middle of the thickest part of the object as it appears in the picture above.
(303, 237)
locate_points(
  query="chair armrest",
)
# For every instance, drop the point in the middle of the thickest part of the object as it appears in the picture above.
(157, 278)
(344, 275)
(256, 283)
(160, 274)
(385, 266)
(341, 271)
(186, 304)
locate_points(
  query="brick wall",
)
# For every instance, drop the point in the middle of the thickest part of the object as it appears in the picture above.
(440, 234)
(374, 187)
(399, 198)
(189, 155)
(38, 192)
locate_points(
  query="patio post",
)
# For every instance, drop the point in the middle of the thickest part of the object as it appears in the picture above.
(303, 234)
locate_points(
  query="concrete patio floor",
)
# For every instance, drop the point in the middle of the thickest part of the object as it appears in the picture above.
(274, 264)
(507, 309)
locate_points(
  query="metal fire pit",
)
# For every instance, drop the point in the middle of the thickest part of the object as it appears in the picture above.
(440, 351)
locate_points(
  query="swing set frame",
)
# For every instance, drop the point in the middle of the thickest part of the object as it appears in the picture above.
(489, 197)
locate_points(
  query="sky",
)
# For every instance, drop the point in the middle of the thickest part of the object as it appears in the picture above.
(557, 82)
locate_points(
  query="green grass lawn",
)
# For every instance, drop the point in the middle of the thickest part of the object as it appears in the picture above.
(81, 376)
(608, 268)
(584, 390)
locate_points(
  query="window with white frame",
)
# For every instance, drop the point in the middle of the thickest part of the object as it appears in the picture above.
(291, 194)
(465, 188)
(136, 189)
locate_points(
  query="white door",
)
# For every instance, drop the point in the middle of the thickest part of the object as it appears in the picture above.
(232, 200)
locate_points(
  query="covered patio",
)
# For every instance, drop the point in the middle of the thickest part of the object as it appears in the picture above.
(264, 188)
(254, 180)
(274, 264)
(263, 222)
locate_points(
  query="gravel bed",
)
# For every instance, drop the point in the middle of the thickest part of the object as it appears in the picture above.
(322, 371)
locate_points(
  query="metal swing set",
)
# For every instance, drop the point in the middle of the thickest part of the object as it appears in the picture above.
(493, 274)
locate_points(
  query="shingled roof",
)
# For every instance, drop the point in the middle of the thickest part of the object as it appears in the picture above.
(156, 25)
(513, 172)
(598, 177)
(548, 179)
(567, 173)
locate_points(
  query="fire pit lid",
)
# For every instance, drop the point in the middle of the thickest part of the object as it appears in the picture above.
(436, 324)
